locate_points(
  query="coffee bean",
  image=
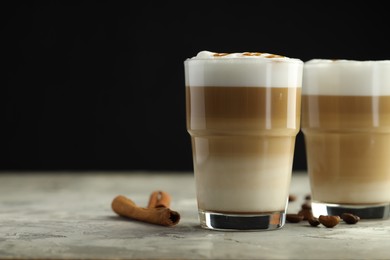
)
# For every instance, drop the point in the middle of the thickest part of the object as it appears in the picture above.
(329, 221)
(313, 221)
(292, 198)
(294, 218)
(306, 205)
(306, 213)
(350, 218)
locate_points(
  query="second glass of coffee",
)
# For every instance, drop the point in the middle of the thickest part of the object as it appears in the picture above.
(346, 125)
(243, 115)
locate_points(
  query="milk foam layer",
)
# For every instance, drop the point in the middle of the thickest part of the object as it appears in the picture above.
(346, 77)
(247, 69)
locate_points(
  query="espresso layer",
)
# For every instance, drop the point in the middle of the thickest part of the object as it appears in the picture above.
(250, 110)
(348, 148)
(359, 113)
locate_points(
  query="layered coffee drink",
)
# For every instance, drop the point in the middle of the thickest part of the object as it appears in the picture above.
(346, 125)
(243, 114)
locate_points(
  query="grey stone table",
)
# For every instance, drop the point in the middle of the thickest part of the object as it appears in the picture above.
(65, 215)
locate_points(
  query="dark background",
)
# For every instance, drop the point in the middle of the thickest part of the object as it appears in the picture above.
(99, 85)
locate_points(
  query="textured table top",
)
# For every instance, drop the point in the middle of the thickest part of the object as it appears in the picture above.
(68, 215)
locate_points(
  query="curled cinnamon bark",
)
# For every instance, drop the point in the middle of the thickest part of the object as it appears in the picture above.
(160, 215)
(159, 199)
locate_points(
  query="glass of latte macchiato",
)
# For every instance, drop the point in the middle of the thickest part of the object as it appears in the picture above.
(346, 126)
(243, 115)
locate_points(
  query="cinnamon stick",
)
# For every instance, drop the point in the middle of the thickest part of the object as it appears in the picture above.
(159, 199)
(164, 216)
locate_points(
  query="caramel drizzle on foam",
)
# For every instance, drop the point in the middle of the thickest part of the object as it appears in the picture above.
(250, 54)
(220, 54)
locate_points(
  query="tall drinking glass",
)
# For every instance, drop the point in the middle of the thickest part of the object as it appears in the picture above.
(243, 115)
(346, 125)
